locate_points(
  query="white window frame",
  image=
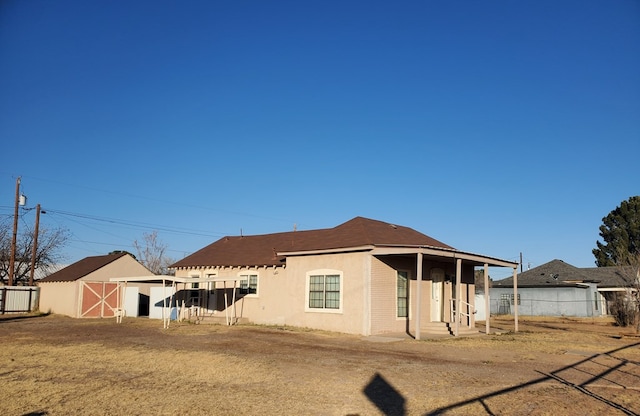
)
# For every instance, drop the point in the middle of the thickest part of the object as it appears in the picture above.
(402, 318)
(324, 272)
(246, 277)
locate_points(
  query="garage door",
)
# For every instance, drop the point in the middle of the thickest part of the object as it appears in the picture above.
(99, 299)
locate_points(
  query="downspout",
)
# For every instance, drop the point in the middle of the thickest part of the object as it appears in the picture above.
(418, 293)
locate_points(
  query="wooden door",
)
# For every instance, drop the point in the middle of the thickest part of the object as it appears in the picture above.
(99, 299)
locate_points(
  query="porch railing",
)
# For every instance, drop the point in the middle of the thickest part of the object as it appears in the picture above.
(466, 310)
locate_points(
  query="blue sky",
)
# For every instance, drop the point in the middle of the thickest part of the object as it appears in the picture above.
(497, 127)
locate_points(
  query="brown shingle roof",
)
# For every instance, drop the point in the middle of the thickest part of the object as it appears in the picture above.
(260, 250)
(82, 268)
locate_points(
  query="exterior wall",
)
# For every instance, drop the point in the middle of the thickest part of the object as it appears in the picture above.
(355, 306)
(282, 293)
(60, 298)
(552, 301)
(368, 293)
(268, 307)
(125, 266)
(384, 306)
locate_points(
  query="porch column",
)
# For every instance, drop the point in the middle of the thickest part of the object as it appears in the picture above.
(515, 299)
(487, 303)
(458, 290)
(418, 293)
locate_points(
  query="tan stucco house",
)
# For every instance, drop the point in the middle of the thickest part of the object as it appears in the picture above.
(83, 289)
(361, 277)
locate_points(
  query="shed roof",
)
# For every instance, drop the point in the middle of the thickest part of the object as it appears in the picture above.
(263, 250)
(82, 268)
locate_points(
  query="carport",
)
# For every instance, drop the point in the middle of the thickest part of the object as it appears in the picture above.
(188, 284)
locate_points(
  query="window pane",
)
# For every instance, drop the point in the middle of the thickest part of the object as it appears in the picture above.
(402, 294)
(316, 300)
(333, 300)
(333, 283)
(332, 292)
(316, 291)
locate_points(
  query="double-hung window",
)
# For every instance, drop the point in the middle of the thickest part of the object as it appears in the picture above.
(402, 299)
(324, 291)
(249, 284)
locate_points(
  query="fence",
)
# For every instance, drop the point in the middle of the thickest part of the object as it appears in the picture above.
(15, 299)
(547, 307)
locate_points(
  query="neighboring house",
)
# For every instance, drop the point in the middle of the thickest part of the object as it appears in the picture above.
(557, 288)
(361, 277)
(83, 289)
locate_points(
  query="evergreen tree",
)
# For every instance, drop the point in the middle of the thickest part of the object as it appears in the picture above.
(620, 232)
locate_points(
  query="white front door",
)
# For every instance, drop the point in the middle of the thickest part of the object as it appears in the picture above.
(437, 294)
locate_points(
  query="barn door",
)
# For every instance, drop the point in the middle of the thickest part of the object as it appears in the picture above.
(99, 299)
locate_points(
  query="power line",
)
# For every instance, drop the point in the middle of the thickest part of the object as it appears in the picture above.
(135, 224)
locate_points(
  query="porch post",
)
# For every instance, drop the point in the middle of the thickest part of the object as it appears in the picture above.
(515, 298)
(418, 293)
(458, 290)
(487, 303)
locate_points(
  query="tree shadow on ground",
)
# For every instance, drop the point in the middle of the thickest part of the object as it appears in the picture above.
(612, 366)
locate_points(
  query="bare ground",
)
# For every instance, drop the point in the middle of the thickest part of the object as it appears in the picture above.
(54, 365)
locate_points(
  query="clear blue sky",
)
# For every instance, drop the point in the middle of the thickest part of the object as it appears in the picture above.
(498, 127)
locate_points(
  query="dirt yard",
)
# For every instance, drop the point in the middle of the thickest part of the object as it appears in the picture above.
(54, 365)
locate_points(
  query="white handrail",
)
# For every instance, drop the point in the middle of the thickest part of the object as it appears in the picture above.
(465, 305)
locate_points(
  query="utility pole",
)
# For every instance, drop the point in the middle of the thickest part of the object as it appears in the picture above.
(35, 246)
(521, 262)
(12, 260)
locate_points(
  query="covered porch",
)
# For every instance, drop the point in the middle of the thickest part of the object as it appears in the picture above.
(441, 288)
(180, 298)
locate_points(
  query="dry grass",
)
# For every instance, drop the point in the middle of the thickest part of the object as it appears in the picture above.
(60, 366)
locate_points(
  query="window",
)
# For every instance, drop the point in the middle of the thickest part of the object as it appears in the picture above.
(324, 291)
(511, 296)
(195, 285)
(403, 294)
(249, 284)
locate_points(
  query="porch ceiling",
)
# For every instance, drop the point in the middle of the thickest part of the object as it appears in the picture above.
(439, 253)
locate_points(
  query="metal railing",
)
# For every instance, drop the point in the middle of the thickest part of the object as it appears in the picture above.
(466, 310)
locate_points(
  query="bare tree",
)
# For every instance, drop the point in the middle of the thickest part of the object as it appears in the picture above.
(626, 306)
(48, 252)
(151, 253)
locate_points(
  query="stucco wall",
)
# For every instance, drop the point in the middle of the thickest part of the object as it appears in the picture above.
(125, 266)
(369, 292)
(282, 293)
(59, 297)
(351, 318)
